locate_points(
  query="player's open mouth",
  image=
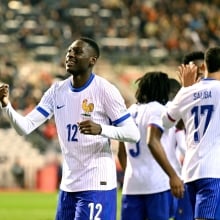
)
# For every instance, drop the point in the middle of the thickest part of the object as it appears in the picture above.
(70, 63)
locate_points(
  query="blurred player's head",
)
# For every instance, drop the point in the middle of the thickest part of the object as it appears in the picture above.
(197, 58)
(153, 86)
(212, 59)
(174, 87)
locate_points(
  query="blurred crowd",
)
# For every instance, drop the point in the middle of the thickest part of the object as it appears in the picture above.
(151, 31)
(170, 27)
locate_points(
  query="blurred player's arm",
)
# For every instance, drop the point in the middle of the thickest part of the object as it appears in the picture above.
(154, 144)
(122, 156)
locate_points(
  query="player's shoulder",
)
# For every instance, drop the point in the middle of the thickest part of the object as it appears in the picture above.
(61, 83)
(210, 83)
(204, 84)
(150, 106)
(156, 105)
(102, 81)
(133, 109)
(105, 85)
(155, 108)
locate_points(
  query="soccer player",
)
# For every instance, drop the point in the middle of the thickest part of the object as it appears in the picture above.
(196, 58)
(148, 176)
(175, 149)
(88, 111)
(199, 108)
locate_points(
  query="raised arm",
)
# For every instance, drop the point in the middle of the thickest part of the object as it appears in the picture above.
(4, 94)
(22, 124)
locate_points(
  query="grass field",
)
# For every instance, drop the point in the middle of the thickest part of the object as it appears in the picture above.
(31, 205)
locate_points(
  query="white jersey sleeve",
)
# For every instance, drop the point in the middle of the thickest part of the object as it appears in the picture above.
(169, 120)
(121, 132)
(119, 117)
(181, 141)
(24, 124)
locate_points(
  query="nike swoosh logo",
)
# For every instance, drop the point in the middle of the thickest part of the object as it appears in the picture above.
(60, 106)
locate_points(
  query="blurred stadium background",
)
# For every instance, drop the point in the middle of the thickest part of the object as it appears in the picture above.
(135, 36)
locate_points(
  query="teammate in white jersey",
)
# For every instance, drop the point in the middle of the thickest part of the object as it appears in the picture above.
(176, 146)
(199, 108)
(175, 149)
(88, 111)
(146, 189)
(184, 210)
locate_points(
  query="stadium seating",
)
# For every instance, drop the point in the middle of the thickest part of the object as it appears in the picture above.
(14, 146)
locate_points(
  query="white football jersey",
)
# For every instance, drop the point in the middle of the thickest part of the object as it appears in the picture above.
(199, 107)
(171, 148)
(88, 162)
(143, 174)
(175, 144)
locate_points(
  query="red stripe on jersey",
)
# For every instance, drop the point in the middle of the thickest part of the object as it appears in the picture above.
(170, 118)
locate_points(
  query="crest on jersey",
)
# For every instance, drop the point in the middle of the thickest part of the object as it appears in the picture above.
(87, 108)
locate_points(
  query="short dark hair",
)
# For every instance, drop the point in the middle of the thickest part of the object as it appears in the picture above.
(153, 86)
(92, 43)
(212, 59)
(193, 56)
(175, 86)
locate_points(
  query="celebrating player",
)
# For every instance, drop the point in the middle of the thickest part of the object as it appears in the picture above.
(148, 173)
(88, 110)
(199, 108)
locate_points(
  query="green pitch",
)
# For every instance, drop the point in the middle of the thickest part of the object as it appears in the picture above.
(31, 205)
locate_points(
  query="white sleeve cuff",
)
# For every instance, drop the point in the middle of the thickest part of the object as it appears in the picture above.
(126, 131)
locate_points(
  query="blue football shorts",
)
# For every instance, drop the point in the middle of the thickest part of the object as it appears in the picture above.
(87, 205)
(205, 198)
(184, 208)
(147, 206)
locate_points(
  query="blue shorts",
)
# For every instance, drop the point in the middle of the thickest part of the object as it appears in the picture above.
(87, 205)
(173, 207)
(184, 208)
(149, 206)
(205, 198)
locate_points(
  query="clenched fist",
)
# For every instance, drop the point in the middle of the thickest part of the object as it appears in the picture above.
(4, 94)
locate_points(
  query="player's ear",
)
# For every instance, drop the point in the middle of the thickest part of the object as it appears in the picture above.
(202, 67)
(92, 60)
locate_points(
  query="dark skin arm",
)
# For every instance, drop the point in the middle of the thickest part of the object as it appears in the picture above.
(154, 144)
(122, 155)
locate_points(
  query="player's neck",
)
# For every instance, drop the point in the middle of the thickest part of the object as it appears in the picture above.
(215, 75)
(80, 80)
